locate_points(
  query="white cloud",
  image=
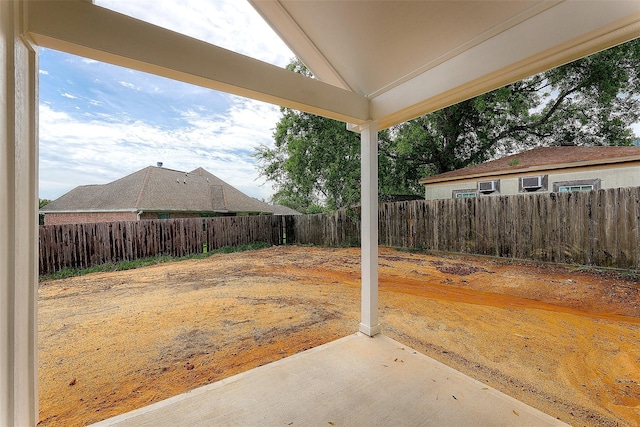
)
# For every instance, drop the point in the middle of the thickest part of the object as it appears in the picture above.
(77, 152)
(129, 85)
(232, 24)
(87, 145)
(44, 72)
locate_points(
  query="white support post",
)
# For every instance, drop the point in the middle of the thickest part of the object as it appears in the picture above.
(18, 220)
(369, 228)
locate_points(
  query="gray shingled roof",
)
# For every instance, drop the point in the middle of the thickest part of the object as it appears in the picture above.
(542, 158)
(159, 189)
(284, 210)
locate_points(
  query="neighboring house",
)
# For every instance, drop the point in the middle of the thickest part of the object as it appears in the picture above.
(284, 210)
(544, 169)
(153, 193)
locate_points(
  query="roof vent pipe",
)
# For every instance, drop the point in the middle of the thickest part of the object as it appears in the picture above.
(159, 164)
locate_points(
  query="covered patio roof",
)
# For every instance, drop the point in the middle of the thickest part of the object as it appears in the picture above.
(377, 63)
(410, 58)
(387, 61)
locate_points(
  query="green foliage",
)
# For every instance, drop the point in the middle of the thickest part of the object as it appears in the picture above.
(315, 162)
(42, 203)
(597, 98)
(144, 262)
(321, 155)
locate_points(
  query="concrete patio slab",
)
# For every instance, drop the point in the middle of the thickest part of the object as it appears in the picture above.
(354, 381)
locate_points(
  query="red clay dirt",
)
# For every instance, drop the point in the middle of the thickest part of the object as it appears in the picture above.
(562, 339)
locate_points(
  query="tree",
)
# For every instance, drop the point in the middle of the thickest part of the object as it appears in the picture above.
(315, 162)
(592, 101)
(42, 203)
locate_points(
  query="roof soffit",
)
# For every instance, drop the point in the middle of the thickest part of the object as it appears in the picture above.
(390, 60)
(371, 46)
(414, 57)
(82, 28)
(568, 31)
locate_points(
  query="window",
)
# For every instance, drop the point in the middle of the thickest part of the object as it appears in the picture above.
(163, 216)
(571, 188)
(465, 194)
(578, 185)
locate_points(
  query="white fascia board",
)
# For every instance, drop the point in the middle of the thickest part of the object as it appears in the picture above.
(563, 33)
(83, 29)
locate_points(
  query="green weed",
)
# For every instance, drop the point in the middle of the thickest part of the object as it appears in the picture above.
(144, 262)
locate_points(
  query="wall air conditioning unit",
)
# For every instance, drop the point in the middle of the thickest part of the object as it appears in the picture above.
(486, 186)
(531, 183)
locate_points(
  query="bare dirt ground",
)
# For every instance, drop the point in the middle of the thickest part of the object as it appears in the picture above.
(564, 340)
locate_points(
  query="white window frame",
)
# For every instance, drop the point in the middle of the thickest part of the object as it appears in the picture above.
(579, 185)
(465, 194)
(573, 188)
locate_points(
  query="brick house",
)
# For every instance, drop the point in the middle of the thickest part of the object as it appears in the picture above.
(153, 193)
(543, 169)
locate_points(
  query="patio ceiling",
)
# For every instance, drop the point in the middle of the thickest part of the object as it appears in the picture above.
(414, 57)
(387, 61)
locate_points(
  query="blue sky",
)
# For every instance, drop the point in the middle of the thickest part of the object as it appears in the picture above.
(99, 122)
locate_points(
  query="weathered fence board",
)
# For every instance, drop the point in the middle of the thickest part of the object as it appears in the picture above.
(591, 228)
(86, 245)
(341, 228)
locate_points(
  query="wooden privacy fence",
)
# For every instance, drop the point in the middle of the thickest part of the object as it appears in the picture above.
(591, 228)
(86, 245)
(340, 228)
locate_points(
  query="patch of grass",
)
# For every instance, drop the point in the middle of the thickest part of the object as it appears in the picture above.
(417, 250)
(631, 275)
(622, 273)
(144, 262)
(240, 248)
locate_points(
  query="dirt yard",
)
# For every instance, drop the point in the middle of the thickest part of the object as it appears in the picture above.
(564, 340)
